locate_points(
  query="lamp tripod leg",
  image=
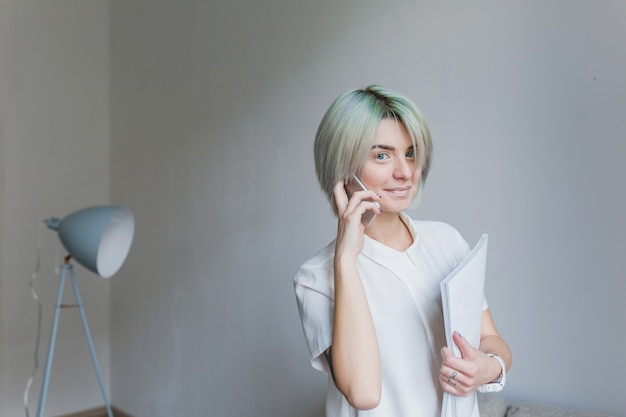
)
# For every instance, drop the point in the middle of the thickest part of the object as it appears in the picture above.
(53, 335)
(94, 358)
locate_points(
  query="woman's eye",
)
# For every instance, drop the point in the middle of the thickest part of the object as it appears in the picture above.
(381, 156)
(410, 153)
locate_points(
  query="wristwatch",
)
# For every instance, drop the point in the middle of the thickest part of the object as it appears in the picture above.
(499, 383)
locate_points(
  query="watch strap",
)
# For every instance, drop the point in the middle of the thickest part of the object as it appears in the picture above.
(499, 383)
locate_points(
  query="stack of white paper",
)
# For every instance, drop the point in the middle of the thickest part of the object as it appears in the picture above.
(462, 293)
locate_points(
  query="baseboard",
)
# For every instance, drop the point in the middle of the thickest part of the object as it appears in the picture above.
(98, 412)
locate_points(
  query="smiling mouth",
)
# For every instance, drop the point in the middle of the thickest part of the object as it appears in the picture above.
(398, 190)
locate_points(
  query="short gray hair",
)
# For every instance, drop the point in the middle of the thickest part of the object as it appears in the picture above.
(346, 132)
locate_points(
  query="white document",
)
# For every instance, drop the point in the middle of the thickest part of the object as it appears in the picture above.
(462, 293)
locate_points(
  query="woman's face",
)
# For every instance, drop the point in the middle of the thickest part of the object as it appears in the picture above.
(391, 169)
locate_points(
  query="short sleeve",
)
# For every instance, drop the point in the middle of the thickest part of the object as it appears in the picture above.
(314, 290)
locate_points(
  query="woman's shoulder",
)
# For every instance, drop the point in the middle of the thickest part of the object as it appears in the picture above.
(434, 233)
(434, 225)
(434, 228)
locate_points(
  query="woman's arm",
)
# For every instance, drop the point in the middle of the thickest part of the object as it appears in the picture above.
(355, 359)
(491, 342)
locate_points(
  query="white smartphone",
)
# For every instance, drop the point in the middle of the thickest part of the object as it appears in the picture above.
(353, 185)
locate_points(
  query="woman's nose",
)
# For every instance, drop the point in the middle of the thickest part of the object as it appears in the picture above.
(403, 169)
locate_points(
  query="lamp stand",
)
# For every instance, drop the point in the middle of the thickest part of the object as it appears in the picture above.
(68, 268)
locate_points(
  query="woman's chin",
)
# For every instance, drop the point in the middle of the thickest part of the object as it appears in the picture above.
(395, 208)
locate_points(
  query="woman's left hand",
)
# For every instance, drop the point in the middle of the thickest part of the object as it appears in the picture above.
(462, 376)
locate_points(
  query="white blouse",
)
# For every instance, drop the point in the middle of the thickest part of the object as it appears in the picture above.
(404, 297)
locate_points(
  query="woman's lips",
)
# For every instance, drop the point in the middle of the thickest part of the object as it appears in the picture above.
(399, 191)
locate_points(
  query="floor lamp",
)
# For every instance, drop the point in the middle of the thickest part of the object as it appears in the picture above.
(98, 238)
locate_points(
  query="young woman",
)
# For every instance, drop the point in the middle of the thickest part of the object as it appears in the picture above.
(370, 301)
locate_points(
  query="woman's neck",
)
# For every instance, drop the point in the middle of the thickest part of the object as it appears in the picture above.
(390, 230)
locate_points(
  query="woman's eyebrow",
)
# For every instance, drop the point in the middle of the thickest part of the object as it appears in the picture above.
(385, 147)
(390, 148)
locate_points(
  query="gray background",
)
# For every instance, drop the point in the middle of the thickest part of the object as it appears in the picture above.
(200, 117)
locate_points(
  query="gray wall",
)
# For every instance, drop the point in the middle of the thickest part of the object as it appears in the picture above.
(54, 159)
(214, 109)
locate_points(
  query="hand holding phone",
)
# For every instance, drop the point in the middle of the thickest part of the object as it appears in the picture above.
(353, 185)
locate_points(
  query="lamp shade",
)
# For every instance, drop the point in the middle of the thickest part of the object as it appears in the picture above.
(98, 238)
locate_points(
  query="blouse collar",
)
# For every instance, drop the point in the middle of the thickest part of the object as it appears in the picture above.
(383, 254)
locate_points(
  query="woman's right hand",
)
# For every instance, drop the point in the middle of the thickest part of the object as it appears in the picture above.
(350, 229)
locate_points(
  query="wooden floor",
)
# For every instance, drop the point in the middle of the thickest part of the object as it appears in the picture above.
(98, 412)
